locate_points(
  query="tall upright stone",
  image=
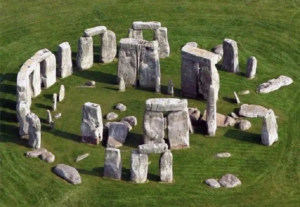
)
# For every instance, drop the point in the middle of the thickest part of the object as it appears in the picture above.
(122, 86)
(146, 25)
(230, 56)
(22, 111)
(34, 130)
(49, 117)
(108, 47)
(157, 84)
(91, 125)
(85, 55)
(135, 33)
(113, 164)
(166, 167)
(170, 88)
(64, 60)
(54, 102)
(161, 35)
(35, 78)
(153, 127)
(48, 71)
(62, 93)
(117, 134)
(138, 167)
(211, 108)
(251, 67)
(269, 133)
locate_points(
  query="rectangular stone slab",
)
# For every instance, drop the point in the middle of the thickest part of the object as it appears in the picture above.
(199, 55)
(166, 104)
(138, 167)
(94, 31)
(161, 35)
(153, 148)
(189, 77)
(113, 164)
(153, 127)
(64, 60)
(117, 135)
(146, 25)
(269, 133)
(48, 71)
(166, 167)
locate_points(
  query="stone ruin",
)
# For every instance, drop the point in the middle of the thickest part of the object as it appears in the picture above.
(34, 130)
(167, 113)
(22, 111)
(64, 60)
(138, 63)
(230, 56)
(160, 35)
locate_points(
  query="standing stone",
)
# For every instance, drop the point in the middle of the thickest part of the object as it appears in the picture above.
(122, 86)
(49, 117)
(230, 57)
(236, 98)
(251, 67)
(153, 127)
(91, 125)
(64, 60)
(269, 133)
(34, 130)
(211, 108)
(161, 35)
(61, 94)
(138, 167)
(54, 102)
(108, 47)
(252, 111)
(85, 56)
(23, 86)
(135, 33)
(117, 135)
(35, 79)
(48, 71)
(22, 111)
(170, 88)
(157, 85)
(113, 164)
(178, 129)
(166, 167)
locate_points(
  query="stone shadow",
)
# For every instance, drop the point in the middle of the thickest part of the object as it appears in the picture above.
(230, 100)
(8, 104)
(8, 116)
(48, 96)
(134, 140)
(6, 88)
(243, 136)
(65, 135)
(10, 133)
(43, 106)
(177, 91)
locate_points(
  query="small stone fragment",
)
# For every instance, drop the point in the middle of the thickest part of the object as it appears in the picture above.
(68, 173)
(245, 125)
(81, 157)
(251, 67)
(212, 183)
(54, 102)
(269, 133)
(229, 181)
(48, 157)
(166, 167)
(111, 116)
(132, 120)
(35, 153)
(230, 57)
(61, 95)
(223, 155)
(153, 148)
(90, 83)
(122, 86)
(245, 92)
(274, 84)
(170, 88)
(113, 164)
(49, 117)
(121, 107)
(236, 98)
(138, 167)
(57, 116)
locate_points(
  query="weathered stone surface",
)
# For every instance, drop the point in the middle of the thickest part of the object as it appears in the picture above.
(269, 133)
(62, 93)
(108, 47)
(218, 50)
(132, 120)
(274, 84)
(208, 76)
(178, 129)
(223, 155)
(153, 127)
(111, 116)
(161, 35)
(68, 173)
(199, 55)
(34, 130)
(52, 125)
(57, 116)
(192, 44)
(64, 60)
(41, 55)
(234, 115)
(229, 121)
(90, 83)
(245, 92)
(145, 25)
(245, 125)
(152, 148)
(81, 157)
(94, 31)
(48, 157)
(85, 56)
(91, 125)
(135, 33)
(157, 85)
(166, 167)
(122, 86)
(117, 134)
(121, 107)
(211, 108)
(54, 102)
(252, 111)
(48, 71)
(138, 167)
(129, 127)
(22, 111)
(35, 153)
(194, 115)
(229, 181)
(251, 67)
(166, 104)
(49, 117)
(230, 57)
(24, 86)
(113, 164)
(35, 78)
(222, 120)
(236, 98)
(170, 88)
(212, 183)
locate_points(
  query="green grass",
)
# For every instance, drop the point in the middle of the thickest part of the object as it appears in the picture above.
(268, 30)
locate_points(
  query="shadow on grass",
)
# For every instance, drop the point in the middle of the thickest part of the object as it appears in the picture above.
(43, 106)
(97, 76)
(10, 89)
(65, 135)
(134, 140)
(9, 117)
(8, 104)
(243, 136)
(230, 100)
(10, 133)
(48, 96)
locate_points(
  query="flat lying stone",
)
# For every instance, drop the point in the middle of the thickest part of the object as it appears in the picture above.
(236, 98)
(234, 115)
(81, 157)
(94, 31)
(90, 83)
(222, 120)
(68, 173)
(145, 25)
(229, 181)
(212, 183)
(223, 155)
(166, 104)
(111, 116)
(192, 44)
(153, 148)
(245, 92)
(274, 84)
(48, 157)
(132, 120)
(35, 153)
(121, 107)
(252, 111)
(245, 125)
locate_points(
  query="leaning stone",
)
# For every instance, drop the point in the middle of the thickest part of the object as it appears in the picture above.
(48, 71)
(170, 88)
(145, 25)
(138, 167)
(68, 173)
(194, 115)
(212, 183)
(161, 35)
(166, 167)
(121, 107)
(81, 157)
(22, 111)
(35, 79)
(122, 86)
(236, 98)
(64, 60)
(94, 31)
(90, 83)
(48, 157)
(166, 104)
(274, 84)
(245, 125)
(61, 95)
(113, 164)
(153, 148)
(108, 47)
(49, 117)
(57, 116)
(153, 127)
(132, 120)
(111, 116)
(35, 153)
(54, 102)
(230, 57)
(269, 133)
(34, 130)
(229, 181)
(192, 44)
(223, 155)
(211, 108)
(245, 92)
(85, 55)
(253, 111)
(117, 135)
(135, 33)
(251, 67)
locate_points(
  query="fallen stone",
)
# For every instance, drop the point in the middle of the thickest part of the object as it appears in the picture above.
(211, 110)
(132, 120)
(152, 148)
(49, 117)
(52, 125)
(251, 67)
(170, 88)
(245, 125)
(47, 157)
(22, 111)
(229, 121)
(212, 183)
(113, 164)
(138, 167)
(192, 44)
(57, 116)
(68, 173)
(245, 92)
(135, 33)
(161, 35)
(117, 134)
(85, 55)
(34, 130)
(153, 127)
(253, 111)
(81, 157)
(166, 167)
(269, 133)
(194, 115)
(223, 155)
(122, 86)
(121, 107)
(274, 84)
(94, 31)
(108, 47)
(139, 25)
(166, 104)
(90, 83)
(111, 116)
(64, 60)
(222, 120)
(236, 98)
(229, 181)
(61, 95)
(35, 153)
(230, 57)
(54, 102)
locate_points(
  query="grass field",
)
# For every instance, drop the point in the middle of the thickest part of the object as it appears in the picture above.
(268, 30)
